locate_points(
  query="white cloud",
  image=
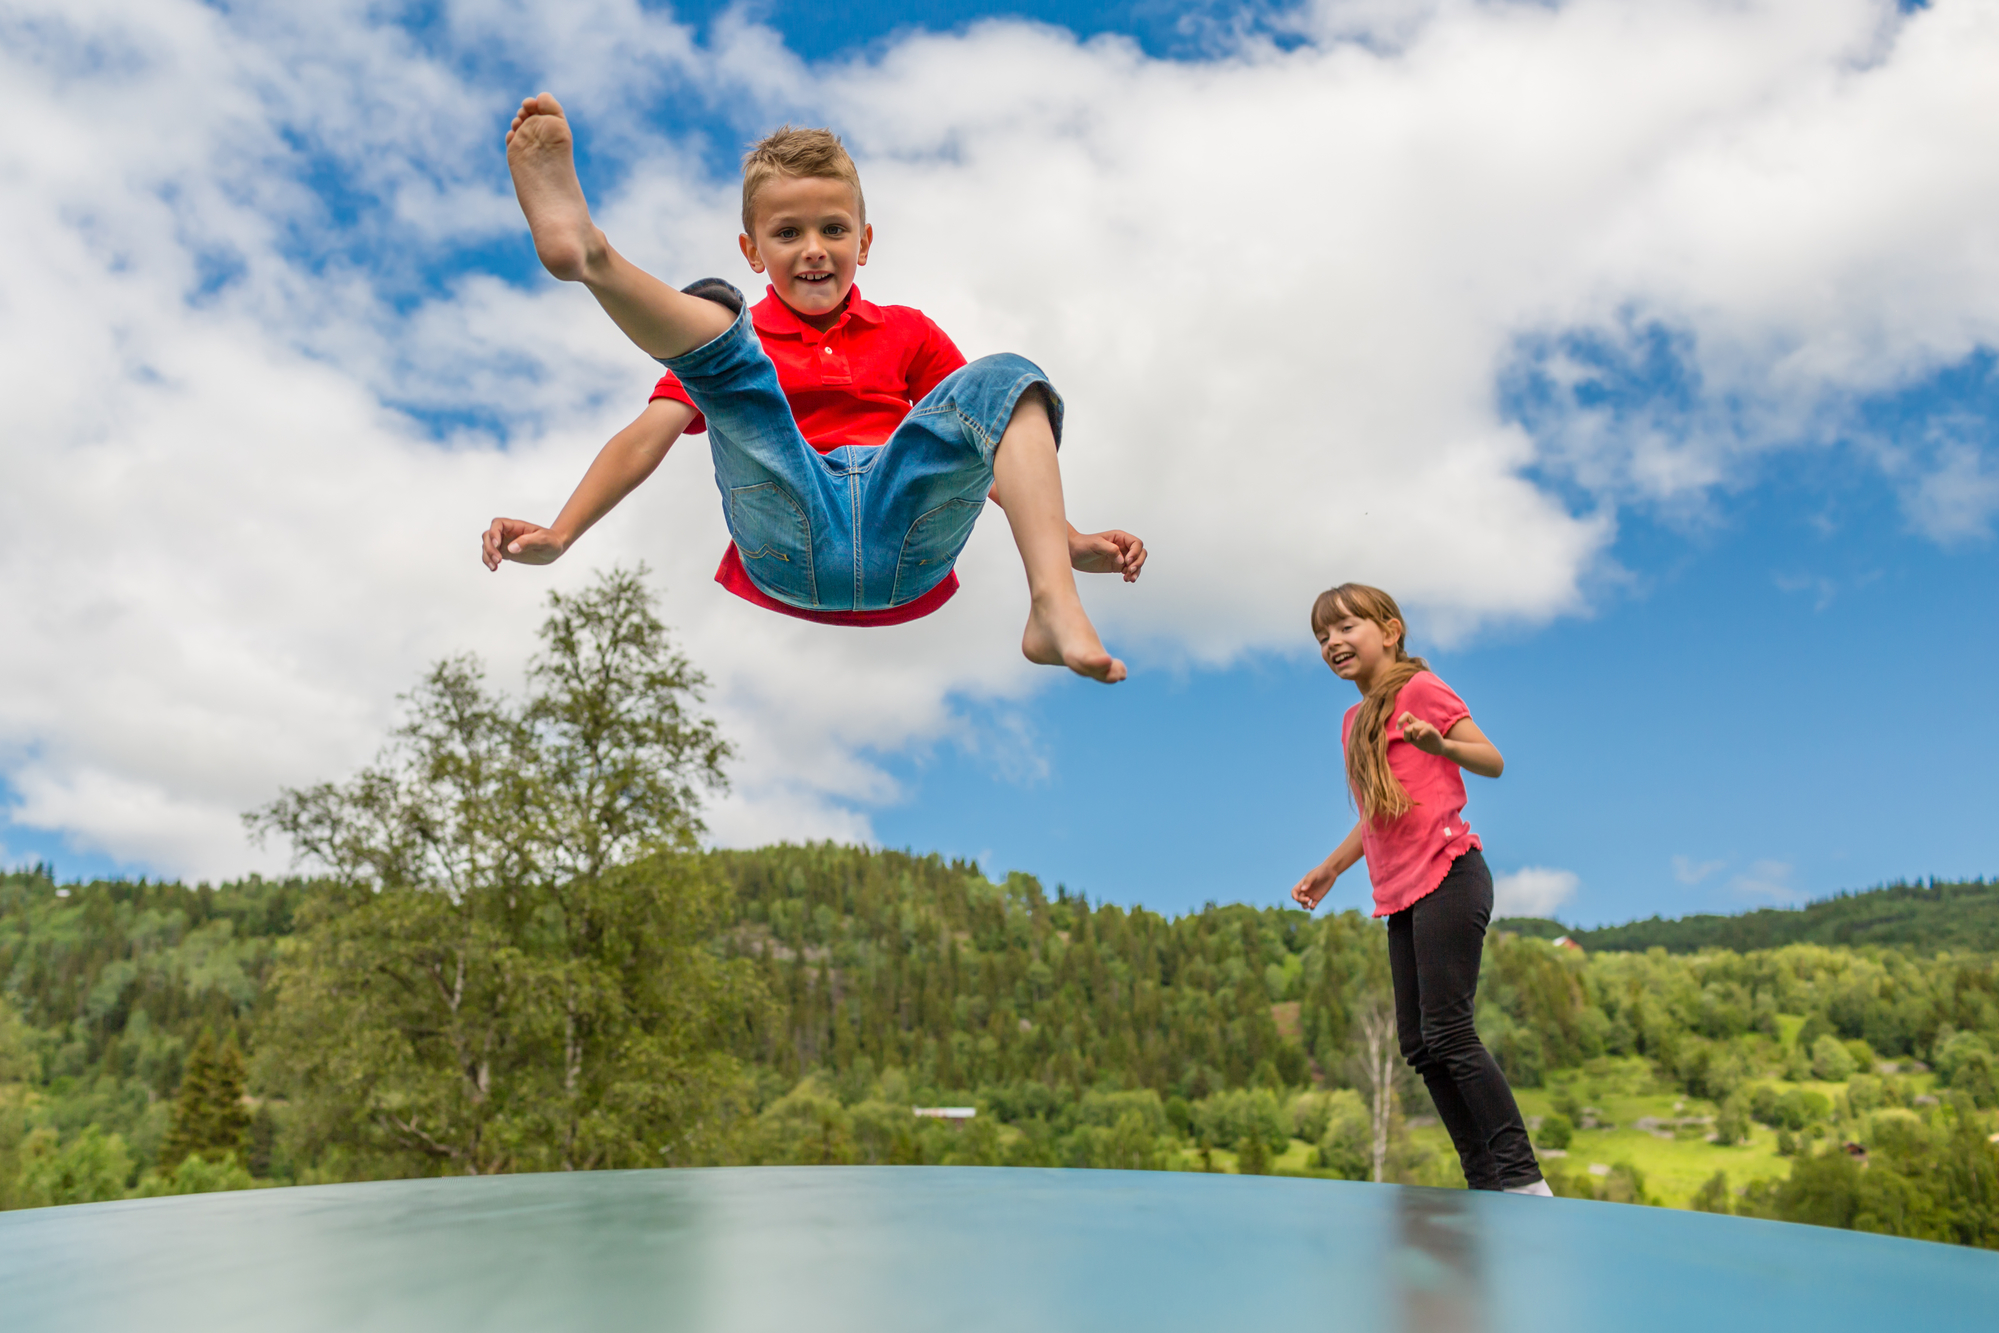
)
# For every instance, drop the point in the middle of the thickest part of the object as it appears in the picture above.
(1768, 879)
(1957, 496)
(1532, 891)
(1281, 291)
(1688, 871)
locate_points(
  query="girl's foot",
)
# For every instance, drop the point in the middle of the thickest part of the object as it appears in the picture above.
(541, 156)
(1060, 634)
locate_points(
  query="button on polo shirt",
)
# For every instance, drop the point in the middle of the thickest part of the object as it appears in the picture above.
(850, 385)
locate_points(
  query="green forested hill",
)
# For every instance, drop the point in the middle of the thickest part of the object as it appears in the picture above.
(516, 959)
(923, 964)
(1086, 1035)
(1934, 915)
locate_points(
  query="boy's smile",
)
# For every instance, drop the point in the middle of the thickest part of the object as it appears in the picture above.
(808, 240)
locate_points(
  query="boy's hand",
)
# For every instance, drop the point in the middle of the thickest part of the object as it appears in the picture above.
(1420, 734)
(1112, 552)
(518, 540)
(1310, 891)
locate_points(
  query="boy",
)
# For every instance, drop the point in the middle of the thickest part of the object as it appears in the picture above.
(845, 505)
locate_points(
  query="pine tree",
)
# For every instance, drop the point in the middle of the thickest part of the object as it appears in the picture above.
(209, 1116)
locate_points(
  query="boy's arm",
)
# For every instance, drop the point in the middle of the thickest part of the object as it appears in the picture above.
(1464, 745)
(1112, 552)
(1310, 891)
(626, 460)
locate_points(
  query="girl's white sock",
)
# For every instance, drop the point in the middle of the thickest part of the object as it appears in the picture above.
(1539, 1187)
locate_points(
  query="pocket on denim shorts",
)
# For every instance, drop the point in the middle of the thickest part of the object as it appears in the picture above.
(774, 539)
(931, 547)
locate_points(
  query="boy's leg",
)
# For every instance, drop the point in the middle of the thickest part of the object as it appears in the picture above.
(987, 429)
(786, 515)
(1027, 482)
(541, 156)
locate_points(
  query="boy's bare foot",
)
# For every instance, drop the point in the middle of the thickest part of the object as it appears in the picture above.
(541, 155)
(1060, 634)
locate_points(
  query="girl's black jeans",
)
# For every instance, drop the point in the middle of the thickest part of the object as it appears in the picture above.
(1433, 953)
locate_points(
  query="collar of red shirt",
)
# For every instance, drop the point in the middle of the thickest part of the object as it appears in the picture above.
(772, 315)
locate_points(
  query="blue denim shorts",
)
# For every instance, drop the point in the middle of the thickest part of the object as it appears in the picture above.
(862, 528)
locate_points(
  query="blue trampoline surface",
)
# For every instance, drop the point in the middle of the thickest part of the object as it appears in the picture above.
(950, 1249)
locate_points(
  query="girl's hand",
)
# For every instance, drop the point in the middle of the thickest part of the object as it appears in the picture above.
(1310, 891)
(1420, 734)
(1465, 746)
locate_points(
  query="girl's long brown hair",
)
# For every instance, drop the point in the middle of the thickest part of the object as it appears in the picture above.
(1375, 788)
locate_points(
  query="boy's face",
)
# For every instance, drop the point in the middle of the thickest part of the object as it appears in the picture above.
(808, 238)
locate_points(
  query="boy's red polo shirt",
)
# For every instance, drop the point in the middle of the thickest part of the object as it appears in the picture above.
(851, 385)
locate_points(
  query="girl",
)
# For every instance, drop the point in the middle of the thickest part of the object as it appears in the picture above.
(1405, 742)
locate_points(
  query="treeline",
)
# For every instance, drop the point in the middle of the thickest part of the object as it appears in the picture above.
(512, 957)
(1084, 1033)
(1937, 914)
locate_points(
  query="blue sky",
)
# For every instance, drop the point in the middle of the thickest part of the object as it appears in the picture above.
(1694, 500)
(1785, 704)
(1779, 701)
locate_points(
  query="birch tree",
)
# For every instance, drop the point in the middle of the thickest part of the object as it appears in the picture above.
(510, 970)
(1374, 1023)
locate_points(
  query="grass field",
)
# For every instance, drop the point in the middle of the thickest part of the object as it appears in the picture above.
(1676, 1160)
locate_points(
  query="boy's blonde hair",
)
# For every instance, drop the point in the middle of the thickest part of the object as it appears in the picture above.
(787, 151)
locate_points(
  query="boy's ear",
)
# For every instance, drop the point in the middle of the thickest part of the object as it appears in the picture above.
(867, 239)
(749, 249)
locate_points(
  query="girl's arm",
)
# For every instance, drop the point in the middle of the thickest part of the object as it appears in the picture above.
(626, 460)
(1310, 891)
(1464, 745)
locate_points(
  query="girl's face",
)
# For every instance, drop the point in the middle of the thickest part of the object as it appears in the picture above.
(1358, 649)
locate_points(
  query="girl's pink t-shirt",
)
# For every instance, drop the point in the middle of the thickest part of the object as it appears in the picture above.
(1408, 856)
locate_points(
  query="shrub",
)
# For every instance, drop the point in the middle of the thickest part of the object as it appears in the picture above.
(1228, 1117)
(1731, 1121)
(1712, 1197)
(1831, 1061)
(1625, 1184)
(1555, 1132)
(90, 1168)
(1801, 1107)
(1864, 1093)
(197, 1175)
(1975, 1075)
(1311, 1116)
(1107, 1109)
(1346, 1148)
(1952, 1049)
(1129, 1145)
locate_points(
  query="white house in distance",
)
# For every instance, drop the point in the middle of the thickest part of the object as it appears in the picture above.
(956, 1115)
